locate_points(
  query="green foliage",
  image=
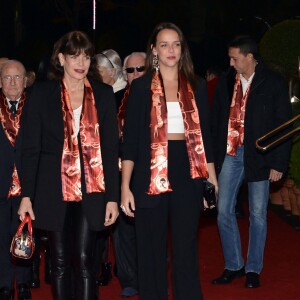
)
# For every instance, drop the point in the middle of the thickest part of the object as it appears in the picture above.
(280, 48)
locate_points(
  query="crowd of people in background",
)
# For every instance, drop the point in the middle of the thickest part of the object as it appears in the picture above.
(101, 152)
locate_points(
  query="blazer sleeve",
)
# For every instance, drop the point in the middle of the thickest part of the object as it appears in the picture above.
(278, 158)
(204, 115)
(31, 144)
(132, 122)
(109, 139)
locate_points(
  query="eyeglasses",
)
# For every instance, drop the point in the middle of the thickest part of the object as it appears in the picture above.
(11, 77)
(139, 69)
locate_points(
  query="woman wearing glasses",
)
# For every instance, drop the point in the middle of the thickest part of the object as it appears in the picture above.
(166, 154)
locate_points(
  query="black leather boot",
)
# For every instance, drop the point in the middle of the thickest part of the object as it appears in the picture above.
(35, 271)
(47, 266)
(106, 274)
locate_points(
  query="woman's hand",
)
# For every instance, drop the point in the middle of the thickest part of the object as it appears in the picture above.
(127, 202)
(111, 213)
(25, 207)
(212, 179)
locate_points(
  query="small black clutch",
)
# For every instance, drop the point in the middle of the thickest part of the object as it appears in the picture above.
(209, 194)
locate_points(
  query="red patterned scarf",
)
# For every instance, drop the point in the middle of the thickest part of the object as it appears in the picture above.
(11, 126)
(159, 182)
(122, 111)
(235, 136)
(90, 146)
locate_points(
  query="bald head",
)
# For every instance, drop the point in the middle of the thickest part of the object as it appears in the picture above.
(12, 79)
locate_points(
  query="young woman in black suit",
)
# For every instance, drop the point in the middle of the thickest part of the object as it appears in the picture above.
(70, 163)
(166, 154)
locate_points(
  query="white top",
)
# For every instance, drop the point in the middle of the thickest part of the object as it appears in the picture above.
(77, 114)
(246, 82)
(175, 120)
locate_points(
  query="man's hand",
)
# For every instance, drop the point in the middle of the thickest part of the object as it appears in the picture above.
(275, 175)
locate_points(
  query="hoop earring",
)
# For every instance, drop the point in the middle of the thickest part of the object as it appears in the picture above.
(155, 64)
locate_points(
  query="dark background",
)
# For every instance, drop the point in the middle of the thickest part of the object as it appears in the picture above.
(29, 28)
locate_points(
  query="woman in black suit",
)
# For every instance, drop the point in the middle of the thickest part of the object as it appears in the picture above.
(165, 156)
(70, 163)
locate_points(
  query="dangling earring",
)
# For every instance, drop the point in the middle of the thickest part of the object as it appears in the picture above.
(155, 64)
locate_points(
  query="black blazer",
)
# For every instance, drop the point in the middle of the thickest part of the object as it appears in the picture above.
(136, 146)
(42, 153)
(9, 156)
(268, 106)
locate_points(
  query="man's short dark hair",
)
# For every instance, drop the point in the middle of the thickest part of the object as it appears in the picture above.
(246, 44)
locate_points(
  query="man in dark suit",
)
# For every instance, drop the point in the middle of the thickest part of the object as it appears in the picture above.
(250, 101)
(12, 100)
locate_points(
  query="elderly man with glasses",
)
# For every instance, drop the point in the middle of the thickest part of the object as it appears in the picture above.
(134, 65)
(12, 104)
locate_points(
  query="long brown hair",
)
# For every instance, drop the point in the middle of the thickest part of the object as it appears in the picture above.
(74, 42)
(185, 62)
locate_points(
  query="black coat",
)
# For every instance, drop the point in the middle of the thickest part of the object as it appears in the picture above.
(268, 106)
(136, 146)
(9, 156)
(42, 154)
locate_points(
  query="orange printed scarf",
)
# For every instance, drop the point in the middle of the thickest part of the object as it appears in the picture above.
(159, 182)
(90, 146)
(11, 126)
(235, 136)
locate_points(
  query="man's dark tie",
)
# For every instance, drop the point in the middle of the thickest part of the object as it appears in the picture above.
(13, 107)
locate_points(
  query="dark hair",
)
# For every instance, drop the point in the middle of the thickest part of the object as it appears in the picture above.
(215, 70)
(185, 62)
(246, 44)
(74, 42)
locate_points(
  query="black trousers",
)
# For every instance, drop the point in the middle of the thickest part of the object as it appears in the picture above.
(72, 253)
(124, 238)
(11, 269)
(179, 211)
(125, 249)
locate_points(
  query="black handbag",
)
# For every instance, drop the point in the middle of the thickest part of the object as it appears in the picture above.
(22, 245)
(209, 194)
